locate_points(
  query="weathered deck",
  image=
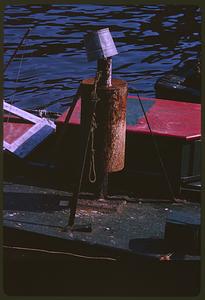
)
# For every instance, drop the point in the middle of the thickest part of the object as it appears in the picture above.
(120, 256)
(114, 222)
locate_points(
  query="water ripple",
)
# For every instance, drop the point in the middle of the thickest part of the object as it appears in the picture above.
(151, 40)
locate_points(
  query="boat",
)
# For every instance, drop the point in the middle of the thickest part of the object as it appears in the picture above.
(169, 168)
(141, 241)
(183, 83)
(143, 237)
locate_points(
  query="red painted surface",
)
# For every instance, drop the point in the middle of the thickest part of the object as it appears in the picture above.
(171, 118)
(75, 118)
(166, 118)
(12, 131)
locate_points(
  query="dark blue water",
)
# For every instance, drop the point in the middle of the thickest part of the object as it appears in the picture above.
(150, 39)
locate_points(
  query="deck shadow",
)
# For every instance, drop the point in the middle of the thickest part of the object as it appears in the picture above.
(34, 202)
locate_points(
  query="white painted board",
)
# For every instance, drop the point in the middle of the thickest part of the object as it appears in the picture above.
(29, 140)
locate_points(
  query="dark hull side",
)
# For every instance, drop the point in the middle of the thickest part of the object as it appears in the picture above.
(51, 273)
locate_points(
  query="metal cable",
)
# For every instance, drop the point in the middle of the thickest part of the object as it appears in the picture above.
(19, 69)
(18, 47)
(94, 100)
(158, 152)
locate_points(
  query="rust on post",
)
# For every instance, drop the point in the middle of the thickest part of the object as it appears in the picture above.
(103, 123)
(104, 65)
(109, 141)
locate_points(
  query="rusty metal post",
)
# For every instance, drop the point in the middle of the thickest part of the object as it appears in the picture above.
(103, 117)
(104, 65)
(109, 141)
